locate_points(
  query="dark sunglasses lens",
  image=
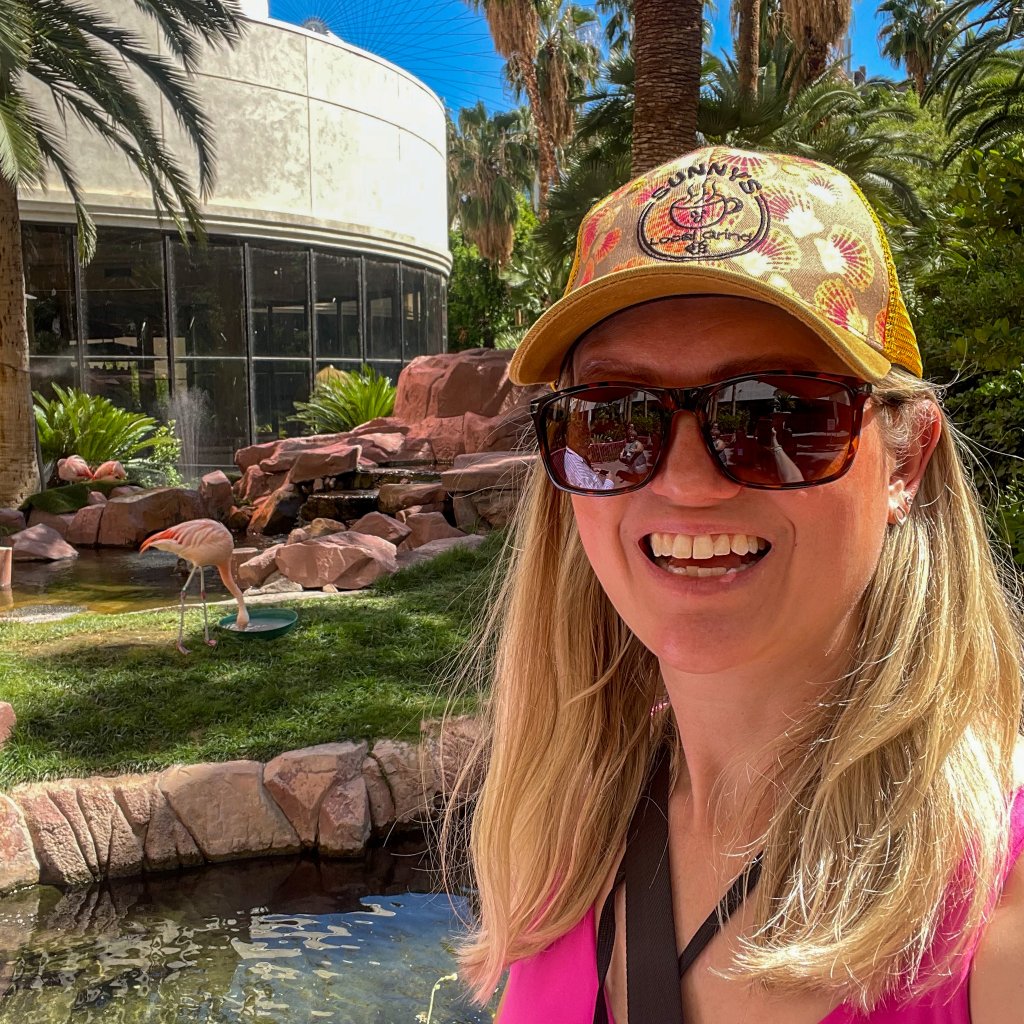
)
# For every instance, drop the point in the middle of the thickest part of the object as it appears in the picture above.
(777, 431)
(602, 439)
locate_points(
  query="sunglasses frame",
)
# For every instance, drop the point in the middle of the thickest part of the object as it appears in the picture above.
(696, 400)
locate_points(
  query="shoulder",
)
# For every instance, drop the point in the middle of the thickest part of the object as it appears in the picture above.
(997, 975)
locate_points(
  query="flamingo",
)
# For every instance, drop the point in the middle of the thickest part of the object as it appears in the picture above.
(74, 470)
(201, 542)
(110, 473)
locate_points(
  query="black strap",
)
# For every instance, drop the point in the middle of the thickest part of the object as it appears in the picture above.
(650, 929)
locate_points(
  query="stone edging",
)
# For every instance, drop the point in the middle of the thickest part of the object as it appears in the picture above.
(331, 798)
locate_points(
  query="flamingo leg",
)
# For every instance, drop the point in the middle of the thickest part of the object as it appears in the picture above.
(206, 614)
(181, 618)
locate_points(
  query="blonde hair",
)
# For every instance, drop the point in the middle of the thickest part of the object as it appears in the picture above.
(889, 803)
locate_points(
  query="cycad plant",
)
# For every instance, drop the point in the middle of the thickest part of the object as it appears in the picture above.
(342, 401)
(62, 59)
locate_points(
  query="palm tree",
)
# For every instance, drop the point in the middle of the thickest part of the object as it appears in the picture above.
(816, 26)
(515, 29)
(491, 160)
(907, 39)
(746, 18)
(667, 48)
(80, 60)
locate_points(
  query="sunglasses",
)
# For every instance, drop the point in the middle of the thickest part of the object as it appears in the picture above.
(772, 430)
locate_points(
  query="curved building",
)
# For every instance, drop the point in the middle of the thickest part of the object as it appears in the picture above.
(328, 242)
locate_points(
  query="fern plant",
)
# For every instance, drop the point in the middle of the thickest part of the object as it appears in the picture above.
(75, 423)
(340, 403)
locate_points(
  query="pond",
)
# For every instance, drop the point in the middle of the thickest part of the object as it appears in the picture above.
(274, 941)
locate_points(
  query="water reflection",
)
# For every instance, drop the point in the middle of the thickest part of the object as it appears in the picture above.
(267, 942)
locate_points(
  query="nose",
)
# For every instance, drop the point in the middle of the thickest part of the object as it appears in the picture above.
(688, 473)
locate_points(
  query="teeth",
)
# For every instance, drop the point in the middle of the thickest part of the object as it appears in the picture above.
(723, 543)
(739, 543)
(704, 545)
(682, 546)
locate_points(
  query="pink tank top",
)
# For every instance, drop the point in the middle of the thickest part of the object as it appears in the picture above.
(559, 984)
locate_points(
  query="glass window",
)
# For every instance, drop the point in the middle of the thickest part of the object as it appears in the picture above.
(124, 296)
(434, 332)
(389, 369)
(280, 312)
(209, 312)
(280, 383)
(140, 385)
(383, 326)
(337, 306)
(414, 312)
(50, 292)
(225, 426)
(45, 371)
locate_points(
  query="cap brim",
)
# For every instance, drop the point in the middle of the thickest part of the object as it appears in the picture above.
(538, 359)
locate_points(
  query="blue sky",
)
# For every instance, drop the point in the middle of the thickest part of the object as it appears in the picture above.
(447, 45)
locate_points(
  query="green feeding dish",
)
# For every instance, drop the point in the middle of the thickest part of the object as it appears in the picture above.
(264, 623)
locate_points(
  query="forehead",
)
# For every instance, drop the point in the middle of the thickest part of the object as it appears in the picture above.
(697, 338)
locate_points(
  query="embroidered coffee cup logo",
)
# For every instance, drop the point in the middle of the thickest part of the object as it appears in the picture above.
(709, 210)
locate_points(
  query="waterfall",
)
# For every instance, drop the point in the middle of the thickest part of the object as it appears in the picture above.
(190, 410)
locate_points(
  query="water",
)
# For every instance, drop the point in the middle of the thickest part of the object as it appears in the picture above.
(105, 580)
(191, 412)
(271, 942)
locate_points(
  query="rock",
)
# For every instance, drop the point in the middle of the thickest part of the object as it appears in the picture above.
(297, 536)
(339, 505)
(64, 794)
(8, 720)
(418, 510)
(257, 484)
(126, 491)
(239, 556)
(323, 528)
(325, 462)
(413, 787)
(329, 588)
(490, 508)
(84, 530)
(348, 560)
(375, 524)
(61, 861)
(216, 495)
(495, 469)
(277, 513)
(382, 806)
(239, 518)
(427, 527)
(299, 780)
(60, 523)
(129, 519)
(276, 583)
(507, 432)
(451, 384)
(393, 498)
(40, 544)
(168, 845)
(344, 824)
(134, 796)
(97, 498)
(287, 451)
(449, 743)
(254, 571)
(227, 811)
(255, 454)
(381, 447)
(18, 864)
(381, 425)
(437, 547)
(119, 851)
(444, 435)
(11, 521)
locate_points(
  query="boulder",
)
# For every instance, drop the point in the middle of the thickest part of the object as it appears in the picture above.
(8, 720)
(394, 497)
(381, 425)
(40, 544)
(494, 469)
(300, 779)
(119, 851)
(84, 531)
(412, 785)
(437, 547)
(325, 462)
(227, 810)
(254, 572)
(451, 384)
(503, 433)
(449, 744)
(276, 583)
(18, 864)
(61, 861)
(97, 498)
(128, 520)
(287, 451)
(419, 510)
(257, 484)
(487, 509)
(168, 844)
(344, 824)
(239, 556)
(61, 523)
(382, 806)
(323, 528)
(426, 527)
(339, 505)
(381, 447)
(375, 524)
(297, 536)
(348, 560)
(239, 519)
(126, 491)
(444, 435)
(216, 495)
(266, 451)
(276, 513)
(11, 521)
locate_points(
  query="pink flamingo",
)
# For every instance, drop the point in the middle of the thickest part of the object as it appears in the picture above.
(74, 470)
(110, 473)
(201, 542)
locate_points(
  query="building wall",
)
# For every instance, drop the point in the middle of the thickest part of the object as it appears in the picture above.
(318, 142)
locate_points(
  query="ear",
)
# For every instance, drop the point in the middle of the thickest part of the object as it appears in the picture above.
(906, 476)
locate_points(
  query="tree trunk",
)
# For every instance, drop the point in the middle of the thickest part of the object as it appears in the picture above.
(19, 470)
(748, 48)
(547, 164)
(815, 56)
(667, 41)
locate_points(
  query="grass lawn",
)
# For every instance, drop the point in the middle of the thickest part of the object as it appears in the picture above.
(109, 693)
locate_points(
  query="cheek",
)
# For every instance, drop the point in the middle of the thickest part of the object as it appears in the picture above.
(599, 523)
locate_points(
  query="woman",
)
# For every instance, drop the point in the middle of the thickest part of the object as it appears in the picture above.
(796, 674)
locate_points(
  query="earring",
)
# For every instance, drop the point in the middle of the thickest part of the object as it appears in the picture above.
(899, 513)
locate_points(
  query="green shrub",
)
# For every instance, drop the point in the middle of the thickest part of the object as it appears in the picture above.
(74, 423)
(340, 403)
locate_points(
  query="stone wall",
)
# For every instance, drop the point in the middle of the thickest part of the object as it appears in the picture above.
(332, 798)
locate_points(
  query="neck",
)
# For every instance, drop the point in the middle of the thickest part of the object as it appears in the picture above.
(229, 581)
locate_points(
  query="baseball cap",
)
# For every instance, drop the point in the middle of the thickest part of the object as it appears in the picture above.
(781, 229)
